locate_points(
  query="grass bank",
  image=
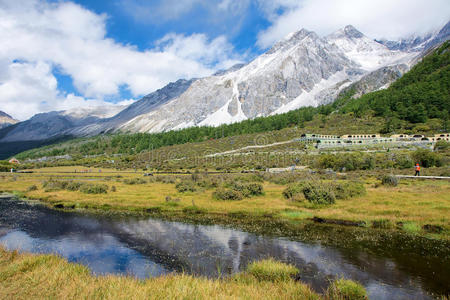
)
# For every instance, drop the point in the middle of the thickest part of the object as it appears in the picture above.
(26, 276)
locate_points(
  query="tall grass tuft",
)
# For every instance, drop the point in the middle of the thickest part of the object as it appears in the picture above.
(346, 289)
(272, 270)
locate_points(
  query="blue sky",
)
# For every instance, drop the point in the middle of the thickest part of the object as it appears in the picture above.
(140, 23)
(66, 54)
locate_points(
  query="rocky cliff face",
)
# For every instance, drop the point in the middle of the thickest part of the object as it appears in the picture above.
(301, 70)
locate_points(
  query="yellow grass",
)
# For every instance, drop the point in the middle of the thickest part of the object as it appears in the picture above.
(25, 276)
(419, 202)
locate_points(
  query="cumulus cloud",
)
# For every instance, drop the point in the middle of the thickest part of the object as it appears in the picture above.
(377, 19)
(219, 51)
(39, 36)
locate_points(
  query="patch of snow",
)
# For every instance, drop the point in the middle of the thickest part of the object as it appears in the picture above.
(308, 98)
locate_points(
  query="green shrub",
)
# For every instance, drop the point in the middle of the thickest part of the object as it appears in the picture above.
(227, 194)
(208, 182)
(166, 179)
(88, 188)
(389, 180)
(292, 191)
(113, 188)
(53, 185)
(248, 189)
(272, 270)
(185, 186)
(319, 193)
(349, 189)
(403, 161)
(32, 188)
(346, 289)
(427, 158)
(347, 161)
(74, 186)
(133, 181)
(442, 145)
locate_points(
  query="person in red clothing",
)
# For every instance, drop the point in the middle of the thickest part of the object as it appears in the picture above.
(417, 168)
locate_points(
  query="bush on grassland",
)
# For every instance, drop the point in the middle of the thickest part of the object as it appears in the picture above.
(319, 193)
(73, 186)
(133, 181)
(54, 185)
(292, 191)
(32, 188)
(248, 189)
(166, 179)
(442, 145)
(185, 186)
(88, 188)
(348, 189)
(389, 180)
(427, 158)
(227, 194)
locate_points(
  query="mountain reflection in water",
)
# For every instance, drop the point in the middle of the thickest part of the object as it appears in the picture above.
(149, 247)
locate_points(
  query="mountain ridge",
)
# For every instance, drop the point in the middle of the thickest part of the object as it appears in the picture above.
(301, 70)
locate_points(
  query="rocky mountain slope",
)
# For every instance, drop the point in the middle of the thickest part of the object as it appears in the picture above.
(6, 120)
(301, 70)
(57, 123)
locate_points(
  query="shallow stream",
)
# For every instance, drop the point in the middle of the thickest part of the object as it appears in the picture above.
(146, 247)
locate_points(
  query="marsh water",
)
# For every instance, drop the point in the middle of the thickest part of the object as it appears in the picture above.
(146, 247)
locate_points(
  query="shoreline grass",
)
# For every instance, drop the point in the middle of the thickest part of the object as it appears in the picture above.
(28, 276)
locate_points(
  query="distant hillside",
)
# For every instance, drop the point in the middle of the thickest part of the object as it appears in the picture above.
(422, 93)
(6, 120)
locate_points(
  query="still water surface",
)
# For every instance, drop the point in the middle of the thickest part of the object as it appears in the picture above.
(145, 247)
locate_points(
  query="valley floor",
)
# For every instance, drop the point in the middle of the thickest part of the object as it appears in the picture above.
(418, 207)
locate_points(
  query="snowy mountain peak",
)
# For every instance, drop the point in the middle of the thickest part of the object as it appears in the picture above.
(293, 39)
(348, 32)
(368, 53)
(352, 32)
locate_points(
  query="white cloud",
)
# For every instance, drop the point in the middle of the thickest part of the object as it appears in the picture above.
(377, 19)
(38, 36)
(196, 47)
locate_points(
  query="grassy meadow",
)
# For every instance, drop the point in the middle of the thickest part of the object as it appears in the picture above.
(410, 206)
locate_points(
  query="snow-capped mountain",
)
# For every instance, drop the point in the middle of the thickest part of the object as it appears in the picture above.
(417, 43)
(302, 69)
(6, 120)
